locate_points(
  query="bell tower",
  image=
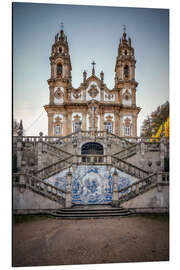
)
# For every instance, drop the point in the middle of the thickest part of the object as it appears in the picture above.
(60, 68)
(125, 84)
(125, 61)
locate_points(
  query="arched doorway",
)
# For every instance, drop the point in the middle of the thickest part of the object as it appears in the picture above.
(92, 148)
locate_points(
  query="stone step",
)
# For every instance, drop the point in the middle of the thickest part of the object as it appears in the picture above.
(91, 213)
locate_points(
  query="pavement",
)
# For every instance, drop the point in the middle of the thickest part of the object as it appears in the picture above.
(49, 241)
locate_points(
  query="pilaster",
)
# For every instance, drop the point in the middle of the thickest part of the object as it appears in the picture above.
(116, 128)
(84, 117)
(50, 124)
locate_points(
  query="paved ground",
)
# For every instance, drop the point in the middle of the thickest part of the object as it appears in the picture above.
(51, 241)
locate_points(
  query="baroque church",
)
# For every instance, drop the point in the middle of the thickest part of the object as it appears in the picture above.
(92, 154)
(92, 106)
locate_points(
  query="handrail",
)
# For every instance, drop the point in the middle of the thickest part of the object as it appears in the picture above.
(56, 148)
(129, 164)
(54, 168)
(128, 150)
(142, 185)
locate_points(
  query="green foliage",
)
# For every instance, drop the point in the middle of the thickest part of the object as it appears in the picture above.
(153, 121)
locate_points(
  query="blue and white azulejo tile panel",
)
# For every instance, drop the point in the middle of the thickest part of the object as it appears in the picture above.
(91, 184)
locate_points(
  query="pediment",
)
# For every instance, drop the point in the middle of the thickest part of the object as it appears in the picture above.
(94, 78)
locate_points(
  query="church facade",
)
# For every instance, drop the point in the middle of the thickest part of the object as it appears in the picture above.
(92, 106)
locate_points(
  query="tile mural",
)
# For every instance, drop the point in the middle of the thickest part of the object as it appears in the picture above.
(91, 184)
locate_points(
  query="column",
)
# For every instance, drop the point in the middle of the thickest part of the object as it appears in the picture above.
(68, 202)
(50, 124)
(115, 195)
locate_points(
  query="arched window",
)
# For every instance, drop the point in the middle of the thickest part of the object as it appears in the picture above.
(77, 126)
(59, 69)
(126, 71)
(127, 131)
(92, 148)
(108, 126)
(58, 130)
(60, 49)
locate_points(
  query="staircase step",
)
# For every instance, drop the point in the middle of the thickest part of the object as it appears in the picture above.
(90, 213)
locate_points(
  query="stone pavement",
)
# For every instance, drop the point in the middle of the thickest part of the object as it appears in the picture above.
(49, 241)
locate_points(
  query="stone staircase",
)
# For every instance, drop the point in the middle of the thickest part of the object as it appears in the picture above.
(142, 186)
(77, 160)
(128, 152)
(38, 186)
(93, 211)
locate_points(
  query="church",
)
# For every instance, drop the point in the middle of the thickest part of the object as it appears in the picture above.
(92, 154)
(92, 106)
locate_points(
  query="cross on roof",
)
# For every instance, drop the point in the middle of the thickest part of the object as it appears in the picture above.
(93, 70)
(62, 25)
(93, 63)
(124, 27)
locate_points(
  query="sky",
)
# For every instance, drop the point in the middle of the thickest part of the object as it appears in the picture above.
(93, 34)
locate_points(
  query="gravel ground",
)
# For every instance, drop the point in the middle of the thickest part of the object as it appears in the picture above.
(47, 241)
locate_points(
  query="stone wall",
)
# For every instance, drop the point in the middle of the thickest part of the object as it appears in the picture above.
(31, 202)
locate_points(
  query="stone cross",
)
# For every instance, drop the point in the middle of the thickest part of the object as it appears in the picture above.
(124, 27)
(62, 25)
(93, 70)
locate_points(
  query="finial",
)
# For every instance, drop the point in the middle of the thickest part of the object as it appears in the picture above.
(93, 70)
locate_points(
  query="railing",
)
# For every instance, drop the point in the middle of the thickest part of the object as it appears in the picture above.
(51, 148)
(129, 168)
(54, 168)
(92, 159)
(125, 153)
(61, 140)
(143, 185)
(137, 188)
(42, 187)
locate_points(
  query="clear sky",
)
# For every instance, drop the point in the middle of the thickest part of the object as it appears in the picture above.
(93, 34)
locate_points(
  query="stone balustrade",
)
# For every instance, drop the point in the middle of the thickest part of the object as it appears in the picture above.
(129, 168)
(143, 185)
(51, 148)
(54, 168)
(125, 153)
(41, 187)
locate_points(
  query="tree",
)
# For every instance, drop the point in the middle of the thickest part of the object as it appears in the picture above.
(153, 122)
(17, 126)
